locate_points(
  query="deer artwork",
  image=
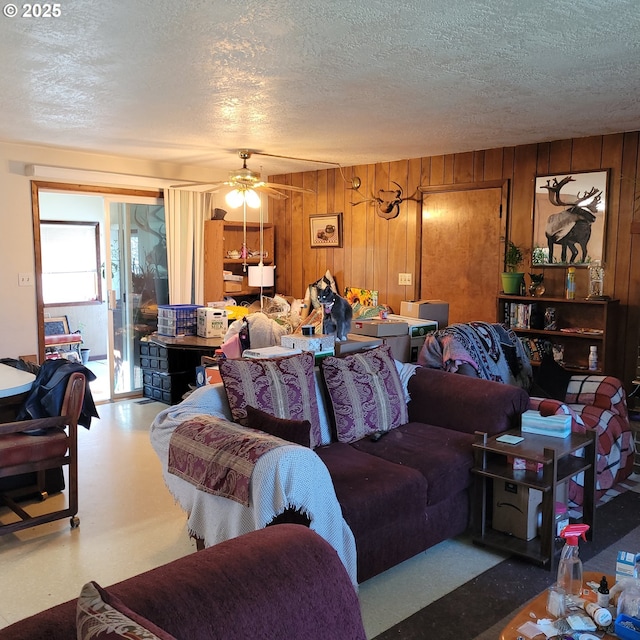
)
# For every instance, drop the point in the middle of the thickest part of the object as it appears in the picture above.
(388, 202)
(572, 226)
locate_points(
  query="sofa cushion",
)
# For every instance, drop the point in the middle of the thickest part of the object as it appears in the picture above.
(383, 504)
(444, 457)
(283, 387)
(102, 616)
(19, 448)
(366, 393)
(296, 431)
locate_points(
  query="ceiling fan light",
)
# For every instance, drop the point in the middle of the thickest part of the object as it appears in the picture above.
(234, 198)
(252, 198)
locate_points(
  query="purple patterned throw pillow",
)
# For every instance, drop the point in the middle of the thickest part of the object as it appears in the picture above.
(102, 616)
(366, 393)
(282, 387)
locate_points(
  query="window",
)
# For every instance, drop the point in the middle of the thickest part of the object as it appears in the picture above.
(70, 262)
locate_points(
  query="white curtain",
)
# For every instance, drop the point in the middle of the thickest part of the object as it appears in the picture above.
(185, 213)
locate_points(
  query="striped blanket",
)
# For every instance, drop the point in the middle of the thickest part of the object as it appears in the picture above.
(494, 352)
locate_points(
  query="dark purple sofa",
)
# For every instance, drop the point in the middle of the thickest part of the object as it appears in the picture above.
(284, 581)
(409, 490)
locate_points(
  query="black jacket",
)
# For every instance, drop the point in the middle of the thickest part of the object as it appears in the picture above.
(47, 393)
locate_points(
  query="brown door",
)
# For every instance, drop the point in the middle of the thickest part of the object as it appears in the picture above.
(462, 248)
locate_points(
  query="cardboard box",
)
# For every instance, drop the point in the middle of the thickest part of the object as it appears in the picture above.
(405, 348)
(417, 327)
(231, 286)
(515, 509)
(355, 343)
(437, 310)
(379, 328)
(211, 322)
(317, 342)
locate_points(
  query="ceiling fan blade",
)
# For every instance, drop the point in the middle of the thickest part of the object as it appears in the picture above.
(201, 187)
(185, 186)
(288, 187)
(272, 193)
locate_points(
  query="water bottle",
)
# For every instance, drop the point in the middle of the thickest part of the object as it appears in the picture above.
(571, 283)
(570, 565)
(593, 358)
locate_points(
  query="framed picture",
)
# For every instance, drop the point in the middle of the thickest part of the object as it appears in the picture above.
(326, 230)
(569, 216)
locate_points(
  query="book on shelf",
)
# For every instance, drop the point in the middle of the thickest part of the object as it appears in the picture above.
(517, 315)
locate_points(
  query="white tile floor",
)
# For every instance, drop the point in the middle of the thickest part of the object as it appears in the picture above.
(130, 523)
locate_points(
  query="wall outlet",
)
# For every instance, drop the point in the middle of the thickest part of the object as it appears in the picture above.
(404, 279)
(25, 279)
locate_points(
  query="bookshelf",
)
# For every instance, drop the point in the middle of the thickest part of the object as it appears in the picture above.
(579, 324)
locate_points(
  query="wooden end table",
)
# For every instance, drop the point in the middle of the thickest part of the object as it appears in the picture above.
(493, 460)
(538, 606)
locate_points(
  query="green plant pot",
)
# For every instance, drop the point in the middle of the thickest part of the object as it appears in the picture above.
(511, 282)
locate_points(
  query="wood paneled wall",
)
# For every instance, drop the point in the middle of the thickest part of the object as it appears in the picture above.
(375, 250)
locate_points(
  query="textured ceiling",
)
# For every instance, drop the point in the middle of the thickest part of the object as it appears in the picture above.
(349, 81)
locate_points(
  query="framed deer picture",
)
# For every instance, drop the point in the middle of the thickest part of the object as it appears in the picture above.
(569, 218)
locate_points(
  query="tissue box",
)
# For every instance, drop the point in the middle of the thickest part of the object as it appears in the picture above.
(211, 322)
(626, 564)
(437, 310)
(207, 375)
(317, 342)
(555, 426)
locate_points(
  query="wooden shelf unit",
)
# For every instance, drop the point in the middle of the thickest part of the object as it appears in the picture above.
(571, 314)
(221, 237)
(493, 461)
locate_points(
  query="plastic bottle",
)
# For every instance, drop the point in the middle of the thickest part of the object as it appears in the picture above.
(603, 593)
(570, 565)
(571, 283)
(593, 358)
(601, 616)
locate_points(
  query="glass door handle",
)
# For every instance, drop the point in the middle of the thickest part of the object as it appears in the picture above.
(111, 299)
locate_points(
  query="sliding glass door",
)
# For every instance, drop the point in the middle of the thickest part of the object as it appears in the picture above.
(137, 283)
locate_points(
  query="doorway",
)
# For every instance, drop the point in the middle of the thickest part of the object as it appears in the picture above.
(130, 225)
(463, 232)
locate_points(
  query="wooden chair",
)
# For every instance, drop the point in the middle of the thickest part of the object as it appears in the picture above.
(23, 453)
(57, 334)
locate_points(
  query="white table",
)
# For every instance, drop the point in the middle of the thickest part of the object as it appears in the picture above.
(13, 381)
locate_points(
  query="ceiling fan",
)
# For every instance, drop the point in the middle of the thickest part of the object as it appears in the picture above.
(245, 184)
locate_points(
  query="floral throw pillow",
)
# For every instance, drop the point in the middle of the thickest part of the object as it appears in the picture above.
(282, 387)
(101, 616)
(366, 393)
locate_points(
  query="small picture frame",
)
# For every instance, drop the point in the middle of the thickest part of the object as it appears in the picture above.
(326, 230)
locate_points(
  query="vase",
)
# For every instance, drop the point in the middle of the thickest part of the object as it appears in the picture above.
(537, 289)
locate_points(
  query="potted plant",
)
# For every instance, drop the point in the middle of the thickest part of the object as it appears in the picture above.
(512, 279)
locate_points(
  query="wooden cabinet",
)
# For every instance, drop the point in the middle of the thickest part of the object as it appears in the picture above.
(221, 238)
(579, 325)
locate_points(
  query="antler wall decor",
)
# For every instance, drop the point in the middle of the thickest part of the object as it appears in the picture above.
(388, 201)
